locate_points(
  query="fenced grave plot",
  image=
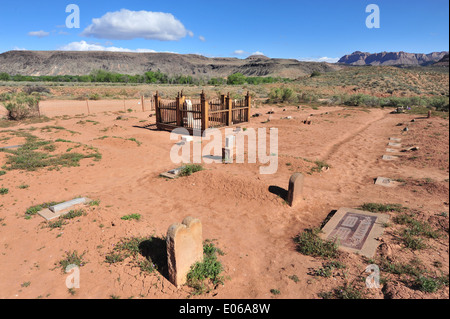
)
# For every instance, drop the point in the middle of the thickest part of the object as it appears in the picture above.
(201, 114)
(355, 231)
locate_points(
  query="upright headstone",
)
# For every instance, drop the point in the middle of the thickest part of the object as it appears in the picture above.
(184, 248)
(295, 191)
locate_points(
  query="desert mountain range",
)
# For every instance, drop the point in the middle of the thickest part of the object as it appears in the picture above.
(392, 58)
(37, 63)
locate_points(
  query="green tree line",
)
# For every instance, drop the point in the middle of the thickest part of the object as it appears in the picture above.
(157, 77)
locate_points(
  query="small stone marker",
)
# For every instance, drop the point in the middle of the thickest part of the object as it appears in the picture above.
(10, 147)
(61, 209)
(295, 191)
(63, 206)
(395, 144)
(384, 181)
(391, 150)
(355, 230)
(229, 141)
(173, 173)
(389, 158)
(187, 139)
(184, 248)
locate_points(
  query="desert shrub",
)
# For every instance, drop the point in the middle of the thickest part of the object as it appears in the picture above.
(94, 97)
(5, 97)
(22, 106)
(281, 95)
(236, 79)
(307, 97)
(441, 103)
(35, 89)
(5, 77)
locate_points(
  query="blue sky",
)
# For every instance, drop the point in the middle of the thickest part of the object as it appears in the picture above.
(304, 30)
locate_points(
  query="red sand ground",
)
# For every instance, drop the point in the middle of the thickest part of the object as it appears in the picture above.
(250, 224)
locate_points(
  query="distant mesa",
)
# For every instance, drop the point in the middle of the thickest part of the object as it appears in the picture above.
(257, 57)
(53, 63)
(443, 61)
(393, 58)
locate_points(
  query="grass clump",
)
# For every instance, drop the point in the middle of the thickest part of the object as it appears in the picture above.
(143, 252)
(320, 166)
(310, 244)
(4, 191)
(72, 258)
(431, 284)
(382, 208)
(343, 292)
(31, 211)
(190, 169)
(34, 154)
(132, 216)
(207, 271)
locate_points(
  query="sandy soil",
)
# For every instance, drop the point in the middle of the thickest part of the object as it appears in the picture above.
(251, 224)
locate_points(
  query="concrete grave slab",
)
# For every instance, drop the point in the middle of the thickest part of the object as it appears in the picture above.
(389, 157)
(173, 173)
(66, 205)
(10, 147)
(392, 150)
(395, 144)
(62, 209)
(386, 182)
(355, 231)
(395, 139)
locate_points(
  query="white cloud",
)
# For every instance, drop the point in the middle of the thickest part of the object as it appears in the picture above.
(322, 59)
(84, 46)
(128, 25)
(202, 38)
(239, 52)
(39, 34)
(190, 33)
(257, 53)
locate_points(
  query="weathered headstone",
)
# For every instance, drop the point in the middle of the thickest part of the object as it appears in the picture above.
(391, 150)
(384, 181)
(395, 144)
(184, 248)
(355, 230)
(389, 158)
(295, 191)
(227, 155)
